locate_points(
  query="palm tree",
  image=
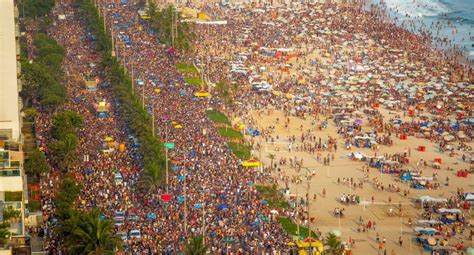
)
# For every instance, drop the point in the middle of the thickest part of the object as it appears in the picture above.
(4, 233)
(196, 246)
(88, 234)
(65, 151)
(273, 192)
(152, 176)
(334, 244)
(271, 157)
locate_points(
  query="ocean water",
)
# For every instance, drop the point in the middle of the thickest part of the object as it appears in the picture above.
(450, 19)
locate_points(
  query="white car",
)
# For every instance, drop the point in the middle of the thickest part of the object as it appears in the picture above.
(135, 233)
(118, 178)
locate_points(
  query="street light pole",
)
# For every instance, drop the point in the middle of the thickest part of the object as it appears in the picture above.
(203, 224)
(153, 120)
(185, 204)
(166, 155)
(143, 95)
(296, 204)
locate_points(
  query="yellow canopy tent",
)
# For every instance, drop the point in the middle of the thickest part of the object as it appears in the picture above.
(203, 16)
(102, 107)
(91, 85)
(307, 243)
(315, 245)
(251, 163)
(202, 94)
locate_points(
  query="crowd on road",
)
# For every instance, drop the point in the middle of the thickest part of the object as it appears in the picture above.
(219, 193)
(212, 193)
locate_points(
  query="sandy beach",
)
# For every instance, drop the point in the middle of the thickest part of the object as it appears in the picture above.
(391, 227)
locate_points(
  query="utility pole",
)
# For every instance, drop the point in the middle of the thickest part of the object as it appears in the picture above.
(113, 44)
(185, 204)
(143, 95)
(297, 220)
(166, 155)
(153, 120)
(133, 81)
(172, 27)
(203, 224)
(307, 209)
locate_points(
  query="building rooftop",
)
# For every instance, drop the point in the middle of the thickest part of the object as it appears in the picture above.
(9, 107)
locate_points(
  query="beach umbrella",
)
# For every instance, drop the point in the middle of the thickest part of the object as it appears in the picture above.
(470, 251)
(431, 241)
(274, 211)
(182, 92)
(336, 232)
(449, 138)
(166, 197)
(178, 126)
(198, 206)
(151, 216)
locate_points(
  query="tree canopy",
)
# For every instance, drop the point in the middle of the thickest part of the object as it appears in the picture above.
(87, 233)
(41, 79)
(162, 21)
(35, 8)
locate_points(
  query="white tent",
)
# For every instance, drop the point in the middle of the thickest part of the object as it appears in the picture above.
(432, 199)
(453, 210)
(469, 196)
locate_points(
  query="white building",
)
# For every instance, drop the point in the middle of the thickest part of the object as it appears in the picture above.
(10, 102)
(12, 178)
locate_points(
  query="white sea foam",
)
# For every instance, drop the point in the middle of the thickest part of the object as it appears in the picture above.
(417, 8)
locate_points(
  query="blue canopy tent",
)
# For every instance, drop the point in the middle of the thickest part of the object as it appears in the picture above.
(222, 207)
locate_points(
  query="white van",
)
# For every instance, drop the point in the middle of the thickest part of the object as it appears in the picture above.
(118, 178)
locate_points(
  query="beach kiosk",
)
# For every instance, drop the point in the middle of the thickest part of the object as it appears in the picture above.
(91, 85)
(102, 109)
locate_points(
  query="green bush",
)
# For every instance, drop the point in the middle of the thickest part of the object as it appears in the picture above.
(186, 68)
(194, 81)
(35, 8)
(240, 150)
(33, 206)
(217, 117)
(230, 133)
(292, 228)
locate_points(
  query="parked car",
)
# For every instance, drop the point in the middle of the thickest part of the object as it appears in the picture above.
(135, 233)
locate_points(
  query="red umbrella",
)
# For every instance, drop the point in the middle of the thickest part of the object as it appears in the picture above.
(166, 197)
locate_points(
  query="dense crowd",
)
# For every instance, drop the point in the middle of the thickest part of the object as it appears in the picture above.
(203, 170)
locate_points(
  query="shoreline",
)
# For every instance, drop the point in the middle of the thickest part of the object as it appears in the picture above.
(451, 51)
